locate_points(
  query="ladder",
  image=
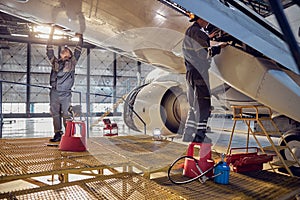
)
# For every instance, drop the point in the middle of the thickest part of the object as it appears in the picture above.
(268, 128)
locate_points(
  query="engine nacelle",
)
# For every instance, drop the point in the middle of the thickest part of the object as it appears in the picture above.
(160, 104)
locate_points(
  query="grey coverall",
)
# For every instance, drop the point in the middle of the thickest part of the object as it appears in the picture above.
(196, 45)
(61, 81)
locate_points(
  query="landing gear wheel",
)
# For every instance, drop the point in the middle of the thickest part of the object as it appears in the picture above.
(292, 138)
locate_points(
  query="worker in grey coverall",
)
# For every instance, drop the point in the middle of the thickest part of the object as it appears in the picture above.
(197, 52)
(61, 81)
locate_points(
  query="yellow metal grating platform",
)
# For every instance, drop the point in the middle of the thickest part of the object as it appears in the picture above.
(23, 158)
(118, 186)
(29, 158)
(252, 185)
(26, 158)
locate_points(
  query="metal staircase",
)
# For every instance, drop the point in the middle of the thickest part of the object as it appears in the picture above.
(268, 129)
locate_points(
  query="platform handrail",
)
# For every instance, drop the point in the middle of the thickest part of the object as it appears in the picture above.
(238, 111)
(239, 115)
(139, 117)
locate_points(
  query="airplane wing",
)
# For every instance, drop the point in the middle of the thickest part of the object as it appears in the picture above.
(249, 30)
(138, 29)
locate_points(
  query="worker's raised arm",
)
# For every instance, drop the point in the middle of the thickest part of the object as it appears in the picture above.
(50, 50)
(78, 49)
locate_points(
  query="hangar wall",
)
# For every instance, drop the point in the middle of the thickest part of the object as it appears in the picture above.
(23, 63)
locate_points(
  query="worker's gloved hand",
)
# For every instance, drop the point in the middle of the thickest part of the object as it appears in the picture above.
(223, 44)
(79, 35)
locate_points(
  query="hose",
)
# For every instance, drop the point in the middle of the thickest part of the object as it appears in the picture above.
(199, 177)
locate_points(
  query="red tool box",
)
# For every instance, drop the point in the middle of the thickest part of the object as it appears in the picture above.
(110, 129)
(247, 161)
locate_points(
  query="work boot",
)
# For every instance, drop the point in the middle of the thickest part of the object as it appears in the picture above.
(57, 137)
(200, 139)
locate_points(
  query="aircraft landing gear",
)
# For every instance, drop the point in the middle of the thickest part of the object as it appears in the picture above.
(292, 138)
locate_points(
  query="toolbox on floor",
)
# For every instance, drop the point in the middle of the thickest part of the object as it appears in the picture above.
(247, 161)
(110, 129)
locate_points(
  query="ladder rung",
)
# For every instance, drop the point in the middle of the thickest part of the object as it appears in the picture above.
(270, 133)
(277, 133)
(287, 162)
(258, 133)
(243, 118)
(271, 148)
(265, 118)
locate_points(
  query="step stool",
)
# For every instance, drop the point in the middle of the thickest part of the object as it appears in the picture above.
(71, 141)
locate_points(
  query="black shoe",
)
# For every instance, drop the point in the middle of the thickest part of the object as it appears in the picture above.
(57, 137)
(200, 139)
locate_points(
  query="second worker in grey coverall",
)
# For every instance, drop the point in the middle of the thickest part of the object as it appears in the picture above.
(196, 51)
(61, 81)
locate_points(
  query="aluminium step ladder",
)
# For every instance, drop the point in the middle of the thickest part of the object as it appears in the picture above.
(265, 123)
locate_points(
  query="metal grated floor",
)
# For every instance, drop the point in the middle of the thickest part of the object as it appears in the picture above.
(22, 158)
(252, 185)
(119, 186)
(26, 158)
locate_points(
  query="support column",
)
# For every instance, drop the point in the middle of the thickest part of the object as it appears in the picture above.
(115, 83)
(139, 75)
(28, 76)
(88, 90)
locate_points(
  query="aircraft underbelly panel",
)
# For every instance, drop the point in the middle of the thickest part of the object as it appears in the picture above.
(260, 79)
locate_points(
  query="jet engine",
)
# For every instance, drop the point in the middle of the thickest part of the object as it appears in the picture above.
(161, 103)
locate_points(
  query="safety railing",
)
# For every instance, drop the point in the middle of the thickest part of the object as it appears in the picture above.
(73, 91)
(120, 98)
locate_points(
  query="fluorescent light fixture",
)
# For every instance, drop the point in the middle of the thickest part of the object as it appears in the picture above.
(44, 31)
(41, 29)
(18, 35)
(46, 36)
